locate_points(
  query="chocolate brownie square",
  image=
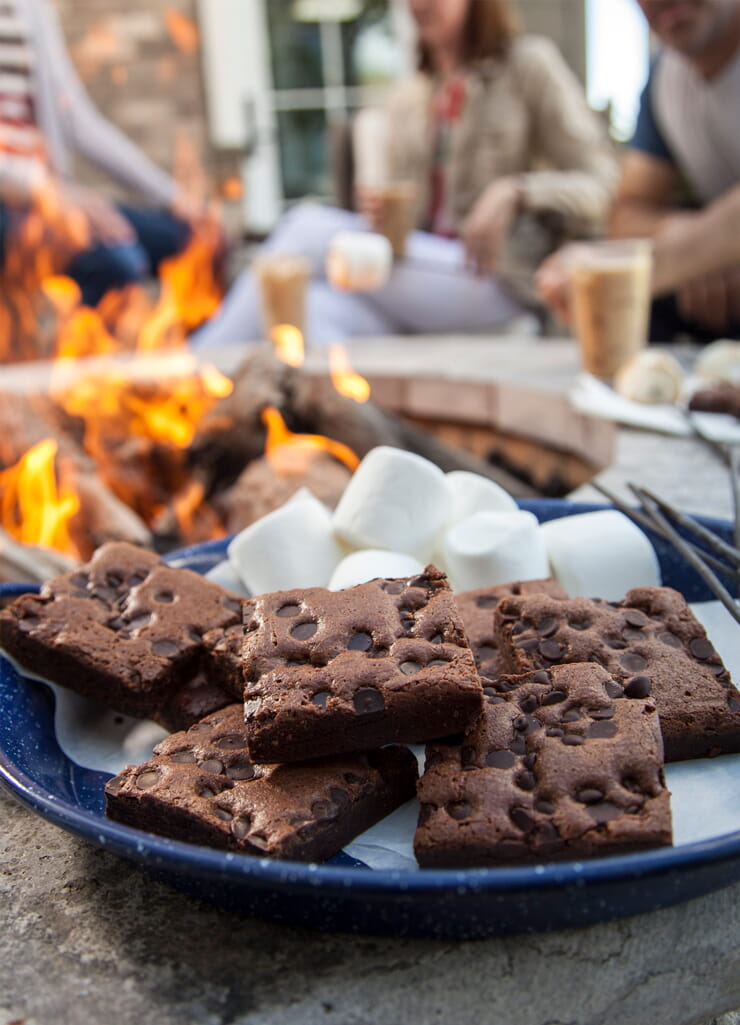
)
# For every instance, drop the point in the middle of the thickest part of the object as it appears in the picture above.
(200, 786)
(653, 646)
(126, 629)
(334, 671)
(723, 397)
(476, 609)
(197, 697)
(555, 768)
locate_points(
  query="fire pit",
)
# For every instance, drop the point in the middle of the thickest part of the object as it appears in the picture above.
(125, 435)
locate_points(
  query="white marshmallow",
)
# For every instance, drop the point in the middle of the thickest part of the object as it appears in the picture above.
(369, 563)
(600, 555)
(472, 493)
(359, 261)
(224, 574)
(293, 546)
(651, 377)
(719, 361)
(395, 500)
(490, 548)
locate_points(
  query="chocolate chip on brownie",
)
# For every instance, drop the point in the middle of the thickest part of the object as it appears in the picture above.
(476, 610)
(201, 786)
(652, 645)
(553, 769)
(334, 671)
(127, 630)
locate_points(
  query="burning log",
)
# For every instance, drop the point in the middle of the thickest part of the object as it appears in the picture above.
(261, 488)
(232, 433)
(103, 517)
(27, 421)
(30, 562)
(364, 426)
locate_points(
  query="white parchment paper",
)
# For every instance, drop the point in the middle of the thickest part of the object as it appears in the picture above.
(589, 395)
(704, 792)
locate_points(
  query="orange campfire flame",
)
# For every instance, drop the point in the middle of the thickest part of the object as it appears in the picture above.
(168, 411)
(344, 378)
(80, 330)
(288, 342)
(41, 316)
(33, 509)
(288, 453)
(140, 395)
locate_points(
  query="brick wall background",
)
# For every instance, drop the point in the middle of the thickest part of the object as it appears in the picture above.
(126, 53)
(139, 60)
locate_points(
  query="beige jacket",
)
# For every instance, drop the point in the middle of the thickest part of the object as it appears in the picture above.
(525, 115)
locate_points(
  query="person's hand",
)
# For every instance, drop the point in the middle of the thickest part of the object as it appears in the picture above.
(106, 225)
(370, 205)
(189, 208)
(553, 284)
(485, 228)
(712, 302)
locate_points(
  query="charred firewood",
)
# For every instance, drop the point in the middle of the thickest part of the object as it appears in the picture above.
(30, 563)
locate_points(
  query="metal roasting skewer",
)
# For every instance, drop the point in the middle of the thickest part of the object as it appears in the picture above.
(647, 523)
(651, 518)
(716, 543)
(730, 456)
(689, 553)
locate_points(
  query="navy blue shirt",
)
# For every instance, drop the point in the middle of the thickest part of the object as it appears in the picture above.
(647, 136)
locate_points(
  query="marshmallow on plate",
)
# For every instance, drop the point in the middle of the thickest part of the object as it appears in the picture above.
(719, 361)
(293, 546)
(370, 563)
(490, 548)
(600, 555)
(395, 500)
(225, 575)
(358, 261)
(472, 493)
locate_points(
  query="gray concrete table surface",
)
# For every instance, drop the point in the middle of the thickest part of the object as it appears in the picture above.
(86, 938)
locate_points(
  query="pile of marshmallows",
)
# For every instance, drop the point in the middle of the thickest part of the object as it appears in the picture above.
(400, 512)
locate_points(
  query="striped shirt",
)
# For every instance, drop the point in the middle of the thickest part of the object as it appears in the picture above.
(19, 133)
(22, 145)
(46, 116)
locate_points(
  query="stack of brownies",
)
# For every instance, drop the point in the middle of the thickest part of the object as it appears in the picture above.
(546, 719)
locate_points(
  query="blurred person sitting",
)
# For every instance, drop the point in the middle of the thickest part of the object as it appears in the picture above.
(45, 114)
(680, 177)
(507, 160)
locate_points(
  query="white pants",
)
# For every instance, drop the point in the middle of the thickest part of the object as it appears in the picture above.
(431, 291)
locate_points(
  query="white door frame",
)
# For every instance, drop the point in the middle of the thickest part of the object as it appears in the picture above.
(241, 99)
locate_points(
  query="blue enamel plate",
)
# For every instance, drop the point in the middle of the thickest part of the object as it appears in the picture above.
(344, 894)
